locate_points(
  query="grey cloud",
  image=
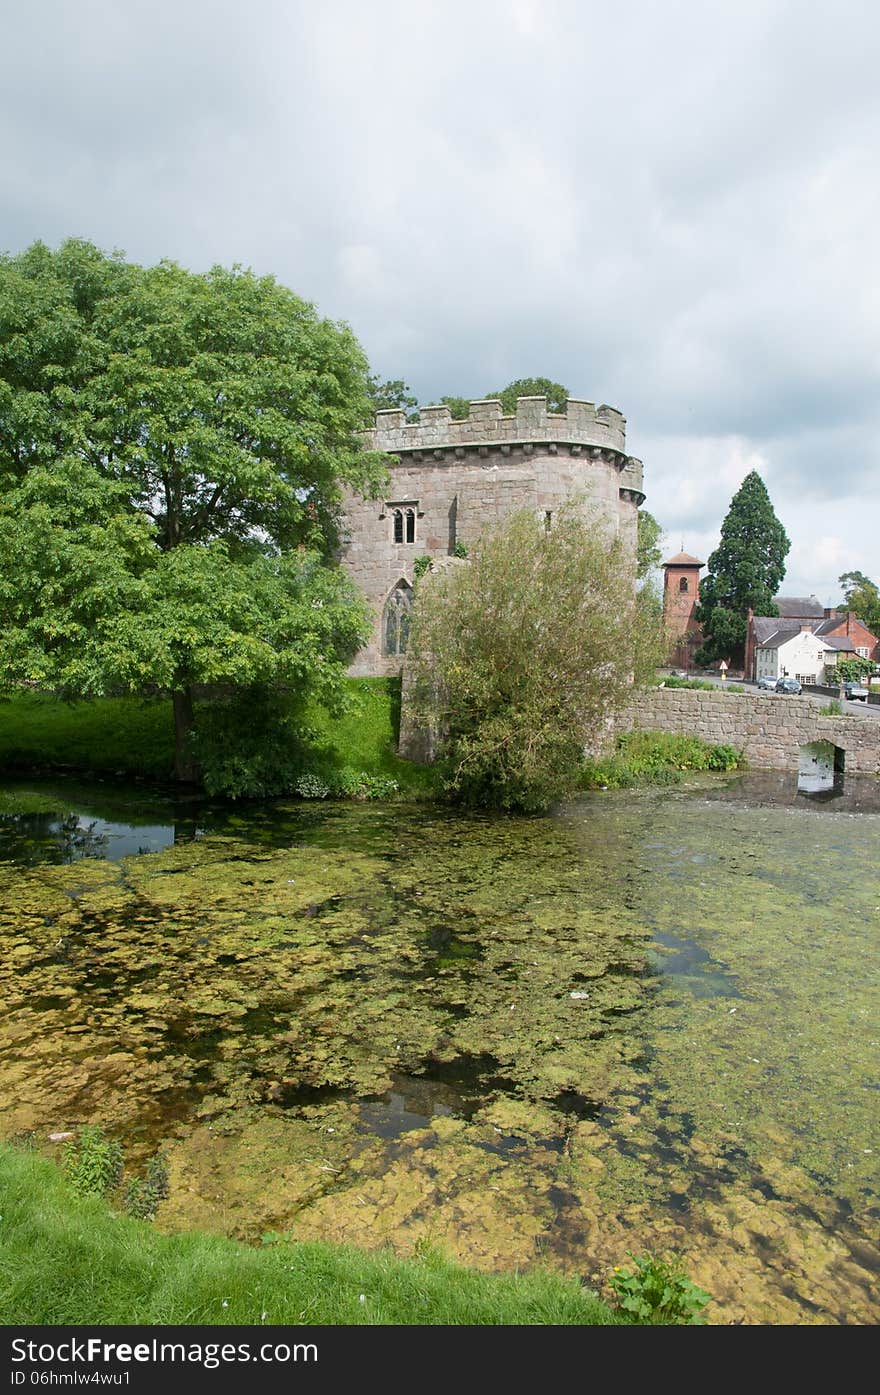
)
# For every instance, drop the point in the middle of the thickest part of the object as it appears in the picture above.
(670, 207)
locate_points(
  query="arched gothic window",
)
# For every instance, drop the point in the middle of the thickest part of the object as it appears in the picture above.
(404, 525)
(395, 626)
(683, 584)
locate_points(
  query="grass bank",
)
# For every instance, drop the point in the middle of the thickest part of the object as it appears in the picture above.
(135, 737)
(67, 1259)
(656, 758)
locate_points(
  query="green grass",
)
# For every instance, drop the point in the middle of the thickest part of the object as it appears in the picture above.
(108, 734)
(656, 758)
(129, 736)
(365, 736)
(67, 1259)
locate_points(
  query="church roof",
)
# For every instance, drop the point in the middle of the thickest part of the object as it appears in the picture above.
(684, 559)
(799, 607)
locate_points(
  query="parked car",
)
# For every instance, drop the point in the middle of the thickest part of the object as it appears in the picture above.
(767, 683)
(855, 692)
(787, 685)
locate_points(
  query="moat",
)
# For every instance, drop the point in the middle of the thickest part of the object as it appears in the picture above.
(647, 1022)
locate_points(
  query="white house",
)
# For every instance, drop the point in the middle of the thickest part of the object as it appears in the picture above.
(787, 653)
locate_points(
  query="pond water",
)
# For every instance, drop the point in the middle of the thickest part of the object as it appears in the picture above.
(647, 1022)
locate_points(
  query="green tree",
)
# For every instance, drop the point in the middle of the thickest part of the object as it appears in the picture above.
(173, 449)
(391, 395)
(648, 557)
(459, 407)
(649, 553)
(862, 598)
(520, 655)
(557, 396)
(745, 571)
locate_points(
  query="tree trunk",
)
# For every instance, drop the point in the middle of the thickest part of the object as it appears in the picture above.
(185, 768)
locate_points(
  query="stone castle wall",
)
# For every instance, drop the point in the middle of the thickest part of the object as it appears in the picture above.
(458, 478)
(769, 729)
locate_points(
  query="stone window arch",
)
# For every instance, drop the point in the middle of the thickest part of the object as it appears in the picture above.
(404, 523)
(396, 619)
(683, 585)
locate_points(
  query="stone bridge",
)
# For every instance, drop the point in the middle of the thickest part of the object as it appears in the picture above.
(769, 728)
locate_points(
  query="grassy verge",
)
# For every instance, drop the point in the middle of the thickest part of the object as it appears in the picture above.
(670, 681)
(122, 735)
(128, 736)
(656, 758)
(69, 1260)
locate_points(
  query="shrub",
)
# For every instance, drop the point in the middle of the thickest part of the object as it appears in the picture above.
(658, 1291)
(311, 787)
(143, 1194)
(673, 682)
(250, 745)
(520, 657)
(93, 1162)
(656, 758)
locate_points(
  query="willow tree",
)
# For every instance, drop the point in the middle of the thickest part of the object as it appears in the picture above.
(519, 656)
(173, 448)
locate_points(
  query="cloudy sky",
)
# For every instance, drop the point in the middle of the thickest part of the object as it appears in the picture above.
(668, 205)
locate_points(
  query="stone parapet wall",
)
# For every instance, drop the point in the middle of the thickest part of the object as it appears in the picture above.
(582, 423)
(769, 729)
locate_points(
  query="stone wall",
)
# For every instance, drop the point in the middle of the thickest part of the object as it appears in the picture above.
(769, 729)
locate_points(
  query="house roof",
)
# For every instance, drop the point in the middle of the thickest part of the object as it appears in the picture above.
(683, 559)
(842, 642)
(799, 608)
(766, 625)
(836, 620)
(780, 637)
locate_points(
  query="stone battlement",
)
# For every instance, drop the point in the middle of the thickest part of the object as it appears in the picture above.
(583, 424)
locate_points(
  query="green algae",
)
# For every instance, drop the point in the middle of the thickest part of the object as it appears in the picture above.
(646, 1022)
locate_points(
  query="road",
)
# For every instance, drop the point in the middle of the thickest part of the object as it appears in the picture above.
(858, 709)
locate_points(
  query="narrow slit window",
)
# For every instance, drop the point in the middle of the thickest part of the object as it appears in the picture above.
(398, 525)
(410, 525)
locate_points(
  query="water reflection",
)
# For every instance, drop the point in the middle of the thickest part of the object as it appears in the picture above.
(831, 791)
(65, 838)
(62, 821)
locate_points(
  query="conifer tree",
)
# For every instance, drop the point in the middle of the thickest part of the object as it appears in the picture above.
(745, 572)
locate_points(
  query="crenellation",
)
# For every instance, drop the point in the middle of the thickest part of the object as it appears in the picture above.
(485, 412)
(583, 424)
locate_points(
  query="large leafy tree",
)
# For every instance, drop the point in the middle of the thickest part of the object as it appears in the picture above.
(745, 572)
(394, 393)
(557, 396)
(173, 449)
(862, 598)
(520, 655)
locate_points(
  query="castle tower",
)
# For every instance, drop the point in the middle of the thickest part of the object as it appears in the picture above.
(450, 479)
(681, 592)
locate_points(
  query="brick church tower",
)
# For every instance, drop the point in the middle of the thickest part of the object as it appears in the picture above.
(681, 592)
